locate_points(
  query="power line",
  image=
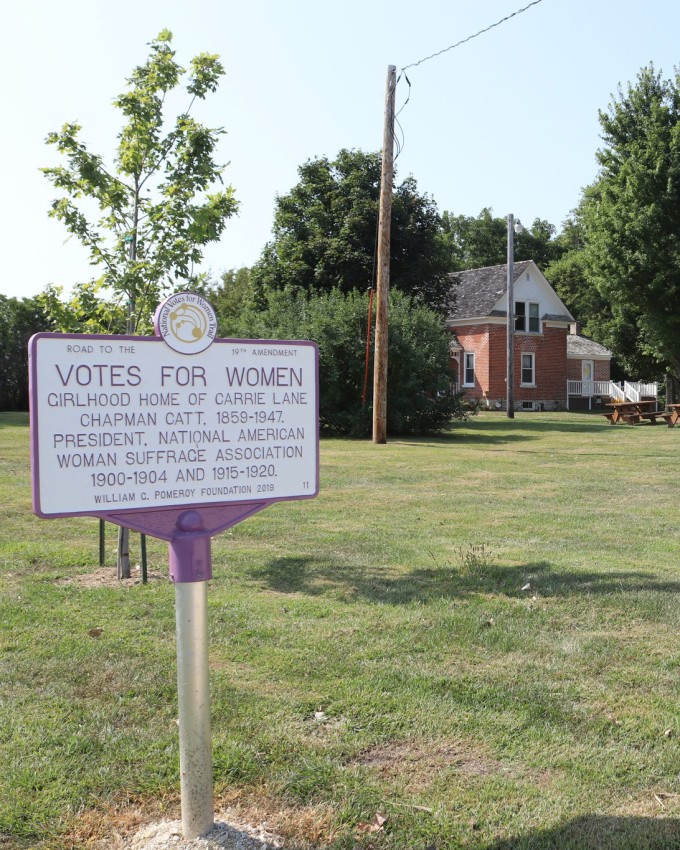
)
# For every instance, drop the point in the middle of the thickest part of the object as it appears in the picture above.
(400, 143)
(401, 108)
(470, 37)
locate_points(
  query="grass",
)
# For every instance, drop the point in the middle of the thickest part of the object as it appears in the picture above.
(474, 635)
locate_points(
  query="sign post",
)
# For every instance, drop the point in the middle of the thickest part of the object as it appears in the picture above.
(179, 436)
(190, 567)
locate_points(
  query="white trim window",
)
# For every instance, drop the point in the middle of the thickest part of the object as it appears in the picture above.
(469, 369)
(528, 378)
(527, 317)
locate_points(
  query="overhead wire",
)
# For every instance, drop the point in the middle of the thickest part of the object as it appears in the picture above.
(470, 37)
(399, 143)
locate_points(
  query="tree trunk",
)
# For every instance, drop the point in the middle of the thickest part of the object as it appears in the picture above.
(672, 387)
(124, 533)
(123, 552)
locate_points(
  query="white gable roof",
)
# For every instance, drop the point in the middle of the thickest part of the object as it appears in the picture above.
(531, 285)
(482, 293)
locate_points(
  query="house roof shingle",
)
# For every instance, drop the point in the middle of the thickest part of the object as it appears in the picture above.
(477, 290)
(583, 346)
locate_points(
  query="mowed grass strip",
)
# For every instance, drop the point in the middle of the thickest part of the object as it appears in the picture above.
(474, 635)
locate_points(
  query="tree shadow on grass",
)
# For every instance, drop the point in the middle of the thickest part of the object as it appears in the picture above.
(13, 419)
(495, 436)
(600, 832)
(502, 430)
(316, 577)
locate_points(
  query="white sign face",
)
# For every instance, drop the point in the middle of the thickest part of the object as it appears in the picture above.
(128, 423)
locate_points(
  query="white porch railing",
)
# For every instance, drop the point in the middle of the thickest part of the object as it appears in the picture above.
(629, 391)
(640, 389)
(616, 393)
(591, 388)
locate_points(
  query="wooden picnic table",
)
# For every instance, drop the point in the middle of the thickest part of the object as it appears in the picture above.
(633, 411)
(673, 414)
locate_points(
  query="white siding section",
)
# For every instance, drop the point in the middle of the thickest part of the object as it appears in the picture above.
(531, 285)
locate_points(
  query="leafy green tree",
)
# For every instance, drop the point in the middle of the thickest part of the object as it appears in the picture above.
(230, 297)
(477, 241)
(539, 242)
(419, 395)
(86, 310)
(631, 215)
(19, 320)
(158, 204)
(569, 276)
(604, 321)
(325, 233)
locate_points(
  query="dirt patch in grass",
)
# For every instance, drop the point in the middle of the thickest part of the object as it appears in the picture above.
(422, 760)
(651, 804)
(107, 577)
(112, 824)
(243, 820)
(299, 827)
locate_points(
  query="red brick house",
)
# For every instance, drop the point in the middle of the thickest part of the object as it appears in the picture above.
(547, 349)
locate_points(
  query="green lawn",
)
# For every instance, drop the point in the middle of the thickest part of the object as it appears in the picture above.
(475, 635)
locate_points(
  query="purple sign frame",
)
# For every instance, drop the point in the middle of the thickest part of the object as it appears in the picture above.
(182, 521)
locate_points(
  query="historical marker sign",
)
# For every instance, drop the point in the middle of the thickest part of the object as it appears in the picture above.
(180, 435)
(127, 423)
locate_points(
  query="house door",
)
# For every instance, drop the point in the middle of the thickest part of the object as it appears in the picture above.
(587, 373)
(454, 367)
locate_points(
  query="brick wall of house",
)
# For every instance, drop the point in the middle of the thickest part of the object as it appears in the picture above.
(489, 344)
(550, 350)
(475, 339)
(601, 369)
(574, 369)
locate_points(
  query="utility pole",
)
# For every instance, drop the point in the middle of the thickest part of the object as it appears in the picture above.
(510, 401)
(383, 282)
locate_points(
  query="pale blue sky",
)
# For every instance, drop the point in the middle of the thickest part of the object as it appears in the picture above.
(508, 120)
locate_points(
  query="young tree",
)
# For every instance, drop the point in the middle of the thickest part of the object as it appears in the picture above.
(157, 205)
(631, 215)
(325, 232)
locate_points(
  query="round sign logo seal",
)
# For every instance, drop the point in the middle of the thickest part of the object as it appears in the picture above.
(186, 322)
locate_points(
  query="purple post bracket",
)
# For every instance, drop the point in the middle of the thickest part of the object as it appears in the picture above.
(188, 530)
(190, 558)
